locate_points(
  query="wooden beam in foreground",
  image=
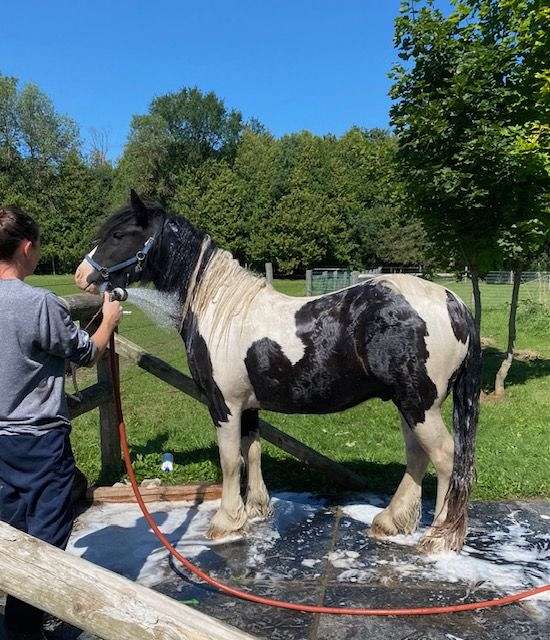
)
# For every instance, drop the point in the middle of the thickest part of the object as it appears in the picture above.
(191, 492)
(95, 599)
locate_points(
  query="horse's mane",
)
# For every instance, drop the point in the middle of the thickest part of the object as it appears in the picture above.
(228, 289)
(123, 216)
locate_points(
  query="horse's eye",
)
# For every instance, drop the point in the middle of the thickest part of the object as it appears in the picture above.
(118, 235)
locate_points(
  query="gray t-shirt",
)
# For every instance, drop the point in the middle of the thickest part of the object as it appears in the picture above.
(36, 336)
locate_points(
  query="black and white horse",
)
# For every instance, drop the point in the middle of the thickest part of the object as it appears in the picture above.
(394, 337)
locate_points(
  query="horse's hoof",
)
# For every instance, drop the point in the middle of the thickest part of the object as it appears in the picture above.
(215, 533)
(223, 525)
(440, 542)
(383, 527)
(258, 510)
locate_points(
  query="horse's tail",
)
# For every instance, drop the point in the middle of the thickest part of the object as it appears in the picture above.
(466, 390)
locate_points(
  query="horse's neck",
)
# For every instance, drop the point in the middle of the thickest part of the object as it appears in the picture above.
(224, 293)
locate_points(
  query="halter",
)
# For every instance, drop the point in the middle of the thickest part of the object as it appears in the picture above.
(138, 259)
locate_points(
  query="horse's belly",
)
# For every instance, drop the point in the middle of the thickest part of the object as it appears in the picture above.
(312, 385)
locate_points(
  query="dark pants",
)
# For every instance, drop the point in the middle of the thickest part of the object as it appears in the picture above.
(36, 479)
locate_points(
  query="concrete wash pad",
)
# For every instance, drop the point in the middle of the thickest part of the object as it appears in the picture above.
(315, 551)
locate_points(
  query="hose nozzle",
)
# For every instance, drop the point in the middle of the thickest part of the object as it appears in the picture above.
(118, 293)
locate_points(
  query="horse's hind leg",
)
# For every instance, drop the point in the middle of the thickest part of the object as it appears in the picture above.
(257, 497)
(231, 516)
(438, 444)
(402, 515)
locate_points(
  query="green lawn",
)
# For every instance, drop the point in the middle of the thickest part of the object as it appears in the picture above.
(514, 436)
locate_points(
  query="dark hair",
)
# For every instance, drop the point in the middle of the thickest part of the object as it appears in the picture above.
(15, 226)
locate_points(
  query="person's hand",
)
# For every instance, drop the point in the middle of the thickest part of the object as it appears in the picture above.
(112, 311)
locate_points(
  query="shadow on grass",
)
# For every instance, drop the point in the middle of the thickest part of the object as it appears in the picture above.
(520, 372)
(293, 475)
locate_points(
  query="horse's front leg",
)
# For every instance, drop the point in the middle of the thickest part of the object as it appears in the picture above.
(257, 497)
(231, 516)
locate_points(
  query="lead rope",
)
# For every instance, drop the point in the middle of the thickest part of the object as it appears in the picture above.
(281, 604)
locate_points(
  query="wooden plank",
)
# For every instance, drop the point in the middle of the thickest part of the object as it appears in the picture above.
(196, 493)
(157, 367)
(111, 452)
(97, 600)
(269, 272)
(335, 471)
(309, 282)
(82, 305)
(88, 399)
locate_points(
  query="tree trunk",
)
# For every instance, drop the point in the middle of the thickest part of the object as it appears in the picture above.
(507, 362)
(477, 299)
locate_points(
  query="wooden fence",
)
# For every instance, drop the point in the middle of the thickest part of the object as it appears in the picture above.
(83, 307)
(90, 597)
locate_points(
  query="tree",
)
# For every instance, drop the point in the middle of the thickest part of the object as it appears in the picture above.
(463, 107)
(181, 130)
(212, 197)
(43, 170)
(306, 230)
(369, 193)
(45, 136)
(255, 166)
(306, 226)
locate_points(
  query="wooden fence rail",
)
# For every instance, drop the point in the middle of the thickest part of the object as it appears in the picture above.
(95, 599)
(82, 307)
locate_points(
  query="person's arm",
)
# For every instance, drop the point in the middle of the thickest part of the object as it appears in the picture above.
(112, 314)
(58, 334)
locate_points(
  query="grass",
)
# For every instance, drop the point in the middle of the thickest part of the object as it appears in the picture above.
(513, 443)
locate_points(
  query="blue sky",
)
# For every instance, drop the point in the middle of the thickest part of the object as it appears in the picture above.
(319, 64)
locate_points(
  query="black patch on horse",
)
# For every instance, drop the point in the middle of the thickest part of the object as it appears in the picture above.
(249, 422)
(459, 318)
(364, 342)
(200, 366)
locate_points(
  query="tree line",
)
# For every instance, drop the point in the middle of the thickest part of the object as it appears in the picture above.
(461, 182)
(298, 201)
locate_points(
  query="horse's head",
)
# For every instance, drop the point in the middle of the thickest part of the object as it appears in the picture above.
(123, 246)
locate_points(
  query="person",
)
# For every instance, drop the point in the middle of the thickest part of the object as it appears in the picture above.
(37, 336)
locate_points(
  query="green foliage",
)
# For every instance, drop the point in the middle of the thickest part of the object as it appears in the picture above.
(305, 200)
(470, 145)
(43, 170)
(523, 241)
(181, 130)
(534, 317)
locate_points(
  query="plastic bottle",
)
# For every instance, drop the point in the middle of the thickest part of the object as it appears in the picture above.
(167, 463)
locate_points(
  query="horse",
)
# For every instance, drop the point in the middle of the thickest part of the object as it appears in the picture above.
(395, 337)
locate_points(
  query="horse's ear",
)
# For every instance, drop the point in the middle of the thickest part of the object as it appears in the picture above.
(139, 208)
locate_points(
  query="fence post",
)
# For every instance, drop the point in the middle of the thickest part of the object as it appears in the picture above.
(309, 278)
(111, 453)
(269, 272)
(354, 277)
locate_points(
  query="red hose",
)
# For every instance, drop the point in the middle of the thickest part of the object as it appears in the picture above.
(281, 604)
